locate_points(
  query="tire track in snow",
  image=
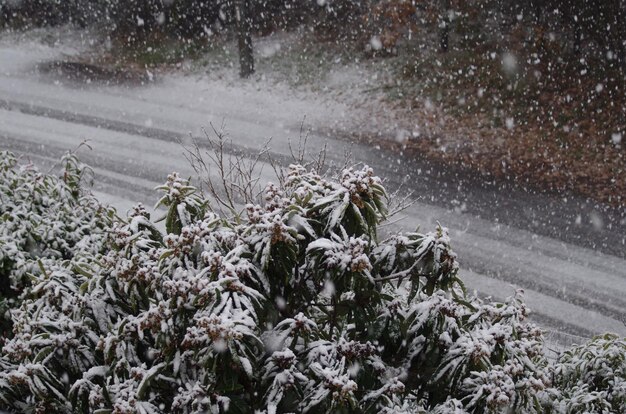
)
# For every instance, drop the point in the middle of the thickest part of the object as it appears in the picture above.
(500, 253)
(563, 328)
(571, 220)
(137, 180)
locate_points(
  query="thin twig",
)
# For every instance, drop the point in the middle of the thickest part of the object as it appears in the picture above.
(401, 274)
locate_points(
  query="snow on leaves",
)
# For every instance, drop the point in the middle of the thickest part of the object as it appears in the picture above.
(291, 306)
(593, 376)
(44, 218)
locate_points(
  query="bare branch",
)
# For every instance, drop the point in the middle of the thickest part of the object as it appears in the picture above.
(231, 177)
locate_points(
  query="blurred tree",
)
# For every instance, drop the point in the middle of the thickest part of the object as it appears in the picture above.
(244, 38)
(444, 25)
(193, 18)
(594, 30)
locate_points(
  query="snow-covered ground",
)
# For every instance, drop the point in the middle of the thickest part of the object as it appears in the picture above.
(135, 132)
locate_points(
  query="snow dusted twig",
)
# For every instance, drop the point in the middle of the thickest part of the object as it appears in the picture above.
(236, 181)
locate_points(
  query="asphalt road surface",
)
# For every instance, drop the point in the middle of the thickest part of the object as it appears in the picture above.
(567, 254)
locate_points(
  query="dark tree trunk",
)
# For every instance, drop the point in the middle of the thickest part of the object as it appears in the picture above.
(618, 43)
(246, 56)
(444, 24)
(578, 38)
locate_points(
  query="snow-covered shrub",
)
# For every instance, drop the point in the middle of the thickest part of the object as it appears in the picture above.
(592, 377)
(294, 305)
(42, 219)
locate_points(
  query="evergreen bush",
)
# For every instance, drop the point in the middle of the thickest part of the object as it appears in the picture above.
(44, 219)
(294, 305)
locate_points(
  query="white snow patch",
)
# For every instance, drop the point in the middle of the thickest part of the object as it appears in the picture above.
(509, 63)
(616, 138)
(510, 123)
(376, 43)
(269, 49)
(596, 221)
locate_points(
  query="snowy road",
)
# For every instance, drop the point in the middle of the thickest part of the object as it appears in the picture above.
(568, 255)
